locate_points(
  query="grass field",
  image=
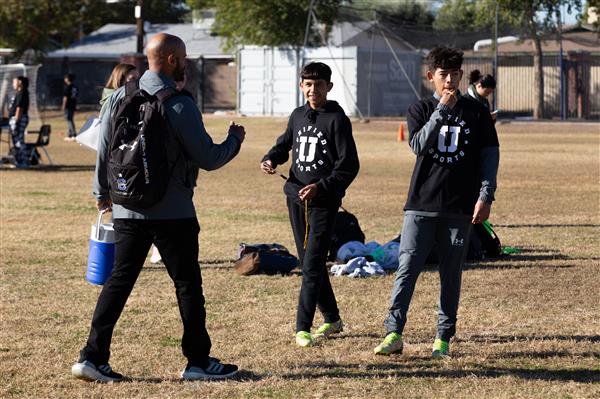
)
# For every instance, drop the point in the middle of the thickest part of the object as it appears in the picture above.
(529, 324)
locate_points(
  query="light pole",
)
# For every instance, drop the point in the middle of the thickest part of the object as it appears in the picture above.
(139, 22)
(137, 58)
(139, 26)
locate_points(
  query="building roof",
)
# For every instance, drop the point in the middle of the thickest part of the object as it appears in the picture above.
(359, 34)
(113, 40)
(573, 40)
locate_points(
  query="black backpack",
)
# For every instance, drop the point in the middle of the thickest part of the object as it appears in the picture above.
(346, 229)
(264, 258)
(484, 242)
(142, 151)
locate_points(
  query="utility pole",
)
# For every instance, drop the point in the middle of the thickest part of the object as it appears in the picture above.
(562, 75)
(495, 67)
(139, 26)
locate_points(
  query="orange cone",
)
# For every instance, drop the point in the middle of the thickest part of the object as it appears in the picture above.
(401, 132)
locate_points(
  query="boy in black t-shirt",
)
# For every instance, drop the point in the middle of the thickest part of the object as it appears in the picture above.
(324, 163)
(452, 187)
(69, 104)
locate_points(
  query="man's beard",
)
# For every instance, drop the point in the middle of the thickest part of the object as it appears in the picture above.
(179, 72)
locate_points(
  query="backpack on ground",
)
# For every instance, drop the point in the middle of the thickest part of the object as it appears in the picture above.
(142, 151)
(264, 258)
(346, 229)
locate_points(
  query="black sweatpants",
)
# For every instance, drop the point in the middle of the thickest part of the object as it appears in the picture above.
(316, 288)
(177, 242)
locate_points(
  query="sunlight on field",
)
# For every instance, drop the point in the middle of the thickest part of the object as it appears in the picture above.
(528, 323)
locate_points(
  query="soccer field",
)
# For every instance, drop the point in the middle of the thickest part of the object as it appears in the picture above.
(528, 327)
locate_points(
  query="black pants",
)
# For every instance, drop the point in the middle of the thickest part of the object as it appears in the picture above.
(316, 288)
(177, 242)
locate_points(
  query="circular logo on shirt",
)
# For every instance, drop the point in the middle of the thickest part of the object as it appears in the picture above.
(453, 138)
(311, 146)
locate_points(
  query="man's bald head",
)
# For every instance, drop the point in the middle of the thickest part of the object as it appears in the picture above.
(166, 54)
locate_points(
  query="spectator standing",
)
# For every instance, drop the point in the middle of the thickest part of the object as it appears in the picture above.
(480, 88)
(121, 74)
(69, 104)
(18, 114)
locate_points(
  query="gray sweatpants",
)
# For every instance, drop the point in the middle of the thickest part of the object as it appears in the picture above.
(419, 235)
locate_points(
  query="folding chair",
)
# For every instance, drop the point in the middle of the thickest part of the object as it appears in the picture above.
(43, 140)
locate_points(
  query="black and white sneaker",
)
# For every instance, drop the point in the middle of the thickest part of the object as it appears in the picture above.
(214, 370)
(87, 370)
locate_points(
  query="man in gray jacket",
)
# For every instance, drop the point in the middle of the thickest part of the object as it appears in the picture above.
(170, 224)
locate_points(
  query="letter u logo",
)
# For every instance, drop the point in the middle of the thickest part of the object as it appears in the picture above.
(312, 147)
(448, 138)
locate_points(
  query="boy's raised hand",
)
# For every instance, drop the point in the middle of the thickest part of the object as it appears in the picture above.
(449, 98)
(267, 167)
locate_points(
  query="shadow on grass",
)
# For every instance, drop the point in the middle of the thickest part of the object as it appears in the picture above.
(544, 354)
(55, 168)
(525, 338)
(388, 370)
(518, 226)
(241, 376)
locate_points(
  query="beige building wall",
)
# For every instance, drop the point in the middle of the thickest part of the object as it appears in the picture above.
(516, 90)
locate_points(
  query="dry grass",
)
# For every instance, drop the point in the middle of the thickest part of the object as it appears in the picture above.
(529, 324)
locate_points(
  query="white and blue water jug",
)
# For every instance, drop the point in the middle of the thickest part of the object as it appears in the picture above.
(102, 252)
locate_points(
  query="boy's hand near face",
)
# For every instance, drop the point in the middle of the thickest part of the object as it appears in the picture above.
(308, 192)
(449, 98)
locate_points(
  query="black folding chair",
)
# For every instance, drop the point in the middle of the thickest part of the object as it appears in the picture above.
(43, 140)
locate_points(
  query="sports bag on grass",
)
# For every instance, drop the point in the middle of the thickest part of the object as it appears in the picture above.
(264, 258)
(142, 151)
(346, 229)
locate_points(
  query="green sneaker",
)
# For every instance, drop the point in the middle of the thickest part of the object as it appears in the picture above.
(328, 329)
(441, 349)
(304, 338)
(392, 343)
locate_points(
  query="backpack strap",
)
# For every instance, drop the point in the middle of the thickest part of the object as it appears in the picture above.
(131, 87)
(164, 94)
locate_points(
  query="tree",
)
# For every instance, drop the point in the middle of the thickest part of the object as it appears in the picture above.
(269, 22)
(45, 24)
(408, 13)
(457, 15)
(532, 18)
(592, 5)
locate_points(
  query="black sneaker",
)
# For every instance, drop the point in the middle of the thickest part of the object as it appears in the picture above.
(87, 370)
(214, 370)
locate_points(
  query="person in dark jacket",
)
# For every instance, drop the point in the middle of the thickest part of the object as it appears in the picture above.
(18, 114)
(69, 104)
(324, 163)
(480, 88)
(452, 187)
(171, 224)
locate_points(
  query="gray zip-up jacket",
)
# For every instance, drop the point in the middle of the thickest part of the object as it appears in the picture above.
(197, 146)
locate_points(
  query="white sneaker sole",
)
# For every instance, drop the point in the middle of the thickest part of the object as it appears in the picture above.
(87, 373)
(195, 376)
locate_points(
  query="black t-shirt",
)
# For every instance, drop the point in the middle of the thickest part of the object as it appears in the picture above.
(19, 100)
(447, 176)
(70, 91)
